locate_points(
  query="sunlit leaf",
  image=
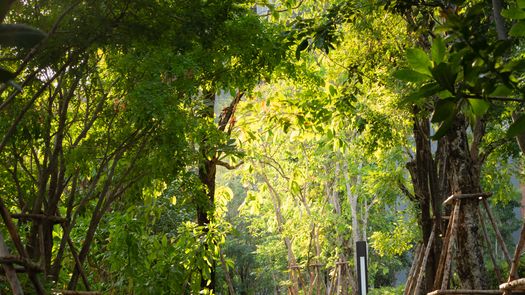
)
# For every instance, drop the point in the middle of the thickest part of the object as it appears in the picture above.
(410, 75)
(438, 50)
(419, 61)
(513, 13)
(479, 106)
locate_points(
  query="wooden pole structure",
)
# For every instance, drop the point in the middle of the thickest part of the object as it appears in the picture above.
(498, 234)
(517, 254)
(464, 292)
(489, 246)
(414, 270)
(9, 269)
(13, 232)
(448, 257)
(425, 258)
(441, 264)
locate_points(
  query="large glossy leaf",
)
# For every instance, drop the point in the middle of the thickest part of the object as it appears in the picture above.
(514, 65)
(501, 90)
(445, 76)
(444, 109)
(513, 13)
(410, 75)
(18, 35)
(425, 91)
(479, 106)
(419, 61)
(438, 50)
(442, 130)
(518, 29)
(517, 128)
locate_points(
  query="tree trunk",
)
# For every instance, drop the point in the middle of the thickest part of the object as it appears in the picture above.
(428, 192)
(464, 178)
(207, 173)
(292, 261)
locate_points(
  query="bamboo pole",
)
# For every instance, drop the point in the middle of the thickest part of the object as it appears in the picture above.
(441, 264)
(78, 264)
(481, 196)
(414, 269)
(498, 234)
(464, 292)
(425, 258)
(489, 246)
(72, 292)
(517, 254)
(13, 232)
(448, 259)
(518, 284)
(9, 269)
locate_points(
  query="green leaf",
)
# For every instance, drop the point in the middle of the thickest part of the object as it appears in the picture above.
(479, 106)
(445, 76)
(444, 94)
(438, 50)
(419, 61)
(517, 128)
(20, 35)
(444, 110)
(514, 65)
(442, 130)
(521, 4)
(425, 91)
(6, 75)
(302, 46)
(518, 29)
(501, 90)
(332, 90)
(410, 75)
(513, 13)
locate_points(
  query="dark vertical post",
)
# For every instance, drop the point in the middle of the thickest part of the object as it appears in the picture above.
(362, 267)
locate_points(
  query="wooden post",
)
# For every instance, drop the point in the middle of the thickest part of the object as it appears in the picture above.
(441, 265)
(517, 254)
(425, 258)
(9, 269)
(78, 264)
(11, 227)
(414, 270)
(498, 234)
(448, 258)
(489, 246)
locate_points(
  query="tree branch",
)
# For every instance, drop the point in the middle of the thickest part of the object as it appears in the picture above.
(228, 165)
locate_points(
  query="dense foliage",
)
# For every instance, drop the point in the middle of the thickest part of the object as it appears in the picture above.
(244, 147)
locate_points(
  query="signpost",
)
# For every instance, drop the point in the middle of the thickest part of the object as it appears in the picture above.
(362, 268)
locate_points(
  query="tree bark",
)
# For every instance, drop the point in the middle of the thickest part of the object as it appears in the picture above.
(464, 178)
(427, 189)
